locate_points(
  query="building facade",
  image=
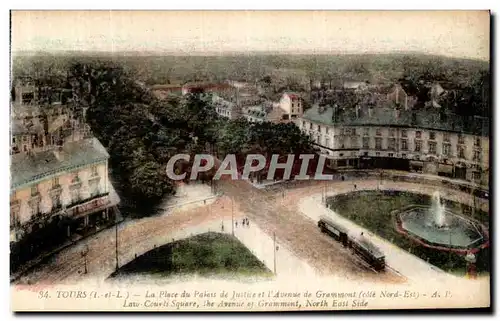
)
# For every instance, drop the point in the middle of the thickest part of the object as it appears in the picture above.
(59, 172)
(375, 139)
(70, 182)
(292, 105)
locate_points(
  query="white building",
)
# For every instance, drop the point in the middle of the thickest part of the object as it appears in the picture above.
(292, 105)
(59, 172)
(388, 138)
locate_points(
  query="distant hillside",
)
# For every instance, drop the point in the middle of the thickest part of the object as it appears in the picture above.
(251, 67)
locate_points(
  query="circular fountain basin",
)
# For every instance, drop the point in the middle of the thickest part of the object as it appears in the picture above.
(457, 232)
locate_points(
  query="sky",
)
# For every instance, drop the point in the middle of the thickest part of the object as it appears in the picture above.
(462, 34)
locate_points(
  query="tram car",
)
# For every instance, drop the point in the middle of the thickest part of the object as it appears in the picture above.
(360, 245)
(368, 252)
(328, 226)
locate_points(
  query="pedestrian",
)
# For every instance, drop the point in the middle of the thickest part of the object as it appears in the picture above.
(236, 224)
(343, 178)
(243, 222)
(355, 186)
(248, 223)
(222, 227)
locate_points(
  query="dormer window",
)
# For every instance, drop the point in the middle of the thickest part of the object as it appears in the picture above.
(34, 190)
(94, 171)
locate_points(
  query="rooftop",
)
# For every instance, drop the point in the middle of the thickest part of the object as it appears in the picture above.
(386, 116)
(27, 167)
(19, 128)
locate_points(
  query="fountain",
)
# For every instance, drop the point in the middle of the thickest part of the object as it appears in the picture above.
(437, 227)
(437, 212)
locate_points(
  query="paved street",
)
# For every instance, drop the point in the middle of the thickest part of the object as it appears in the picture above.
(302, 249)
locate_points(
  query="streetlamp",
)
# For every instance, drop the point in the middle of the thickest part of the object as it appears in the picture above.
(232, 215)
(84, 253)
(275, 249)
(116, 241)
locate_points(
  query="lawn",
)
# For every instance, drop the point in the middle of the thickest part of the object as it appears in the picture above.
(205, 254)
(373, 210)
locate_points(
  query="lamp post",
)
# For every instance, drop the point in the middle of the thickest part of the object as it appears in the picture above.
(232, 216)
(274, 249)
(116, 242)
(84, 253)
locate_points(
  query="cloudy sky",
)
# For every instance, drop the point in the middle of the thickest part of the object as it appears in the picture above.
(451, 33)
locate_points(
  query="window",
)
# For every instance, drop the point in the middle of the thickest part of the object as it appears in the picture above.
(392, 132)
(326, 129)
(25, 139)
(432, 135)
(94, 190)
(13, 140)
(379, 132)
(55, 182)
(75, 179)
(327, 141)
(354, 142)
(477, 142)
(14, 216)
(477, 155)
(94, 171)
(446, 149)
(378, 143)
(391, 155)
(34, 190)
(353, 131)
(476, 176)
(75, 195)
(25, 148)
(418, 134)
(34, 208)
(56, 201)
(461, 151)
(366, 142)
(310, 125)
(446, 137)
(461, 139)
(432, 147)
(404, 144)
(319, 128)
(418, 145)
(377, 154)
(404, 133)
(403, 155)
(392, 144)
(366, 131)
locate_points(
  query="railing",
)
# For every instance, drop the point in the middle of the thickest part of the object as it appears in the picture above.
(69, 206)
(87, 205)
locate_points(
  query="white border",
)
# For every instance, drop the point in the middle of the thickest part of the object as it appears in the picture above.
(186, 4)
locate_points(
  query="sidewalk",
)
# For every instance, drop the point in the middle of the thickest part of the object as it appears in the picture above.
(412, 267)
(391, 172)
(74, 240)
(263, 246)
(265, 183)
(194, 196)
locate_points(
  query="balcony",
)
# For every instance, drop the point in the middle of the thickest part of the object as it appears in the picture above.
(80, 208)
